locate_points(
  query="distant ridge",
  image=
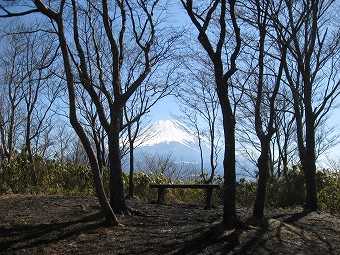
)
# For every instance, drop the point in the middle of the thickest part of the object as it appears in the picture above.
(166, 131)
(172, 137)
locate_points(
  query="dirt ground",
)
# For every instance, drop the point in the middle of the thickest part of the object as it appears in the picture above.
(73, 225)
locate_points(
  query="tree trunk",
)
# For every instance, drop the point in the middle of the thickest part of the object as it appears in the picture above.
(3, 146)
(117, 199)
(284, 156)
(311, 192)
(201, 154)
(229, 209)
(212, 161)
(307, 147)
(307, 157)
(309, 167)
(11, 136)
(97, 179)
(27, 137)
(1, 156)
(263, 166)
(132, 168)
(99, 152)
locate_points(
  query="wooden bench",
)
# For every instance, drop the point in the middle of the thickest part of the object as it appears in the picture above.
(208, 188)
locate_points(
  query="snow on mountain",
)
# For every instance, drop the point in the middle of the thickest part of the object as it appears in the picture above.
(166, 131)
(172, 137)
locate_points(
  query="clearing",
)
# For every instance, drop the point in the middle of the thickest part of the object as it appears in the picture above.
(73, 225)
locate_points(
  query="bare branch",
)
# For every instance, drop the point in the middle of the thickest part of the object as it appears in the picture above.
(16, 14)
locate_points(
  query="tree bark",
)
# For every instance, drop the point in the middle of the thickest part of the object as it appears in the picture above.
(105, 206)
(307, 41)
(117, 198)
(132, 166)
(263, 165)
(222, 86)
(309, 167)
(264, 132)
(229, 205)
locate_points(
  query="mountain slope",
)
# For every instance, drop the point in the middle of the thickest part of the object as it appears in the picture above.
(167, 137)
(170, 136)
(166, 131)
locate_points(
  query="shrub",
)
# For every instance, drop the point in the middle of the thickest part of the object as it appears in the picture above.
(24, 177)
(245, 193)
(68, 179)
(291, 192)
(286, 193)
(40, 177)
(329, 195)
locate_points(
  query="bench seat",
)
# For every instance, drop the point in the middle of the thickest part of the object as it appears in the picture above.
(208, 187)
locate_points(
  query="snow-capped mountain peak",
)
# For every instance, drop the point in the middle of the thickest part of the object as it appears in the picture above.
(166, 131)
(171, 137)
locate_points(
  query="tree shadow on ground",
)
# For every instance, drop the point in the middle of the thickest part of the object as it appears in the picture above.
(29, 236)
(296, 217)
(211, 236)
(219, 239)
(291, 218)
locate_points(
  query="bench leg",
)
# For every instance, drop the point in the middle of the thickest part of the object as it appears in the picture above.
(208, 201)
(161, 194)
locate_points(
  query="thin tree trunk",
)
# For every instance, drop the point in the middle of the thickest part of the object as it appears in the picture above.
(132, 167)
(229, 208)
(105, 206)
(212, 162)
(263, 167)
(3, 146)
(11, 136)
(309, 167)
(27, 138)
(201, 153)
(131, 174)
(117, 198)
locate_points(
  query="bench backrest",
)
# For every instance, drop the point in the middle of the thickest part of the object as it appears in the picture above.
(189, 186)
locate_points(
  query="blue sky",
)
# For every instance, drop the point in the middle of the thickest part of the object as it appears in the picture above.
(167, 107)
(164, 109)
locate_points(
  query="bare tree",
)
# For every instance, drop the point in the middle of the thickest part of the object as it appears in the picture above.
(285, 142)
(37, 93)
(43, 144)
(163, 165)
(334, 163)
(143, 32)
(201, 109)
(101, 29)
(159, 84)
(285, 133)
(58, 19)
(190, 117)
(62, 140)
(211, 23)
(309, 31)
(95, 131)
(264, 79)
(11, 112)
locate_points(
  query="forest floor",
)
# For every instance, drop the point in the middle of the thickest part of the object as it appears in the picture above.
(73, 225)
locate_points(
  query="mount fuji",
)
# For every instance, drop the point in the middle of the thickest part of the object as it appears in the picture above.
(166, 137)
(166, 131)
(171, 136)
